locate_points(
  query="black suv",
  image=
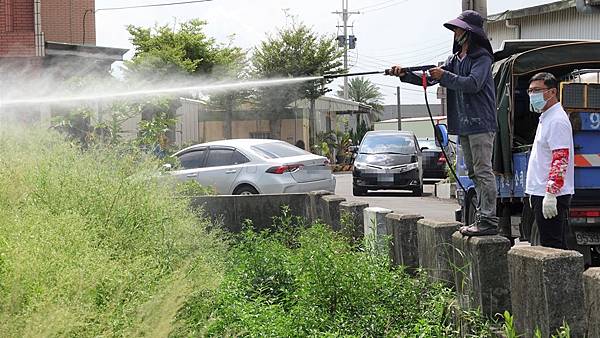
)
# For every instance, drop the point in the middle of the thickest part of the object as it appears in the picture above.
(388, 160)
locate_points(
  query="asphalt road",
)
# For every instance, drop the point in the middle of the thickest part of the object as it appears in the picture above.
(400, 201)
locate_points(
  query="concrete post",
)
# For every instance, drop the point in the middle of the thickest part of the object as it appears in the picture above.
(404, 246)
(435, 249)
(546, 290)
(591, 288)
(314, 202)
(375, 228)
(329, 211)
(354, 214)
(481, 276)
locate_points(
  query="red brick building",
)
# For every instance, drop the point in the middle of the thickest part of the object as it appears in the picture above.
(42, 41)
(44, 32)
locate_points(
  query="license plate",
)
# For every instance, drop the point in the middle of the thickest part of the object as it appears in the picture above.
(588, 238)
(386, 178)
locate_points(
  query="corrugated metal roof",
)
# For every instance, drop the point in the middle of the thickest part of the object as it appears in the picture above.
(566, 23)
(531, 11)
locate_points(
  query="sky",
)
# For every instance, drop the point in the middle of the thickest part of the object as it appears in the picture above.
(406, 32)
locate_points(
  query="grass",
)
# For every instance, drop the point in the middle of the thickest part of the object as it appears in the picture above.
(92, 243)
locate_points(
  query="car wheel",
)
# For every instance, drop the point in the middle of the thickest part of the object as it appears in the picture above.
(418, 191)
(358, 191)
(245, 190)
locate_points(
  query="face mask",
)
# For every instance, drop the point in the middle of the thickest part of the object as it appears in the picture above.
(537, 101)
(462, 39)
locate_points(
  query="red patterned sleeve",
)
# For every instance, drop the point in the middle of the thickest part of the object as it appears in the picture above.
(558, 170)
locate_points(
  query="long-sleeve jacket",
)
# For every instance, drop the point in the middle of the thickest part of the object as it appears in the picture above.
(471, 92)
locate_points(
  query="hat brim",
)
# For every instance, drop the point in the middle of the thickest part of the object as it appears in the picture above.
(465, 26)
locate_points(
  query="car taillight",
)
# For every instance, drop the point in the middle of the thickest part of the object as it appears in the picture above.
(581, 213)
(326, 162)
(284, 169)
(442, 159)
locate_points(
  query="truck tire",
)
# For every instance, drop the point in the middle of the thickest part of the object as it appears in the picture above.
(470, 207)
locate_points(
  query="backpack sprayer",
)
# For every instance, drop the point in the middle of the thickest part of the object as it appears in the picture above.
(424, 83)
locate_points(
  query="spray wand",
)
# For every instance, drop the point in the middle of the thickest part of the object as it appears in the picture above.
(382, 72)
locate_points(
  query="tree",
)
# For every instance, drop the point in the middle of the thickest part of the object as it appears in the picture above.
(164, 53)
(294, 51)
(364, 91)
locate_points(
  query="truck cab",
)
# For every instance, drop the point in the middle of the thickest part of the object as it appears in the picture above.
(576, 64)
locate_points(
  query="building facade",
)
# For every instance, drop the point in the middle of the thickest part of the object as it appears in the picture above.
(556, 20)
(196, 123)
(25, 25)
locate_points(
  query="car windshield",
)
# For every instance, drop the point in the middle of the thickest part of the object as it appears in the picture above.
(278, 150)
(429, 144)
(388, 143)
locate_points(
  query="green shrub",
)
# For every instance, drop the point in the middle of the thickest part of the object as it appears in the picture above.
(92, 242)
(313, 282)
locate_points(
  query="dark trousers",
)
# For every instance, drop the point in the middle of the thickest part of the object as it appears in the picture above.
(553, 231)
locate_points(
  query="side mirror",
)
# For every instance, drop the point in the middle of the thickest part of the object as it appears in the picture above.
(441, 135)
(353, 149)
(167, 166)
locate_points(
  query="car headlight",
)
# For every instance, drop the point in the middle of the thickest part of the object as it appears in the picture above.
(360, 165)
(412, 166)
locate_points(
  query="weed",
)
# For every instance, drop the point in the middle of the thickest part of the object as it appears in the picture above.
(92, 240)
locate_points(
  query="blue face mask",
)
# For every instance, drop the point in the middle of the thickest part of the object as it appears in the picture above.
(537, 101)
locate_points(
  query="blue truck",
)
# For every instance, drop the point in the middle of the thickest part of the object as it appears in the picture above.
(577, 65)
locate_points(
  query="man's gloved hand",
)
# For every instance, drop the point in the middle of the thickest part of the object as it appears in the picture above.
(549, 209)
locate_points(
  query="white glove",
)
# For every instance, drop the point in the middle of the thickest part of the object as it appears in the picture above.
(549, 209)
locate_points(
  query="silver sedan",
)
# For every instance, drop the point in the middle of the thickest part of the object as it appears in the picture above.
(254, 166)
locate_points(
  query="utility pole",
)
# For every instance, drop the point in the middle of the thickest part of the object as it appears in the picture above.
(344, 41)
(479, 6)
(399, 107)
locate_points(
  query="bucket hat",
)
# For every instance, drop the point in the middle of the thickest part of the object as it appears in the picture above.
(471, 21)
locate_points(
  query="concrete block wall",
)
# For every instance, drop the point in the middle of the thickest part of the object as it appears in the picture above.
(546, 290)
(404, 245)
(591, 292)
(435, 249)
(481, 265)
(541, 287)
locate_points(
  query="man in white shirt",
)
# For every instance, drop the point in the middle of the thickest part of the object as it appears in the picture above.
(550, 174)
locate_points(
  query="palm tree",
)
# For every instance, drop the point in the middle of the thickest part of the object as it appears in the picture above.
(364, 91)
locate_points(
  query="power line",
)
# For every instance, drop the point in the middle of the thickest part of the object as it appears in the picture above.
(133, 7)
(377, 4)
(152, 5)
(406, 51)
(388, 6)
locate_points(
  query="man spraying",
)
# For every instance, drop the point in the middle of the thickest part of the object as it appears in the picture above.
(550, 173)
(471, 110)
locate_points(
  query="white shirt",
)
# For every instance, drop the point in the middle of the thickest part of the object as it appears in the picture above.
(554, 132)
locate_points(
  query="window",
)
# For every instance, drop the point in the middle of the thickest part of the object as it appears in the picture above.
(239, 158)
(278, 150)
(193, 159)
(220, 157)
(388, 143)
